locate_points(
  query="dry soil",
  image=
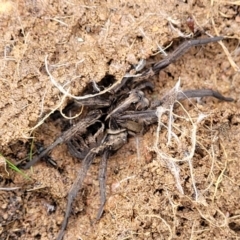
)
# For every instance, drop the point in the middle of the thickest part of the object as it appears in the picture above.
(86, 40)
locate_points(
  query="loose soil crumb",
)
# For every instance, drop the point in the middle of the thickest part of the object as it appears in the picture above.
(88, 40)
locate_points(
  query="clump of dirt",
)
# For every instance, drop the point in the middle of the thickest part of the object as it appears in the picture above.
(82, 42)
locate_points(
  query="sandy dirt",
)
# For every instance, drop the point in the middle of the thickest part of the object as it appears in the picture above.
(83, 41)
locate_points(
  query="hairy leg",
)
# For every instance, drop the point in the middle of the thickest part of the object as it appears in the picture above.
(75, 188)
(102, 182)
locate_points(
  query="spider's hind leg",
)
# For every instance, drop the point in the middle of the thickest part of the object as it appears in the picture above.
(75, 188)
(114, 140)
(102, 182)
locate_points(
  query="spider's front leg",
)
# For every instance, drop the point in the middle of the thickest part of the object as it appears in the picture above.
(102, 182)
(181, 50)
(199, 93)
(79, 128)
(176, 54)
(136, 97)
(135, 120)
(196, 93)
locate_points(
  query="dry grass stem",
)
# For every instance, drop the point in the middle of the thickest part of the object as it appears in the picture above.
(66, 93)
(170, 161)
(220, 177)
(163, 220)
(231, 61)
(9, 189)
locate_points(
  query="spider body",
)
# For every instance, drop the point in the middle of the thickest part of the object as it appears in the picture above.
(125, 111)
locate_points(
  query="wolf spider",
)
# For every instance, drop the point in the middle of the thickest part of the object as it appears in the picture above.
(122, 111)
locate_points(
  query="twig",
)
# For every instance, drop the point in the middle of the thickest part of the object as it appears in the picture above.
(9, 189)
(62, 90)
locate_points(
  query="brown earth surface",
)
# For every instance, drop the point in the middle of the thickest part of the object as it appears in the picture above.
(83, 41)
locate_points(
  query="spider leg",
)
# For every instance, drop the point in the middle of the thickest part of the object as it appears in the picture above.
(132, 98)
(182, 95)
(79, 148)
(182, 49)
(135, 96)
(75, 152)
(202, 93)
(102, 182)
(114, 139)
(144, 85)
(146, 117)
(96, 102)
(77, 185)
(133, 127)
(79, 127)
(149, 116)
(157, 67)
